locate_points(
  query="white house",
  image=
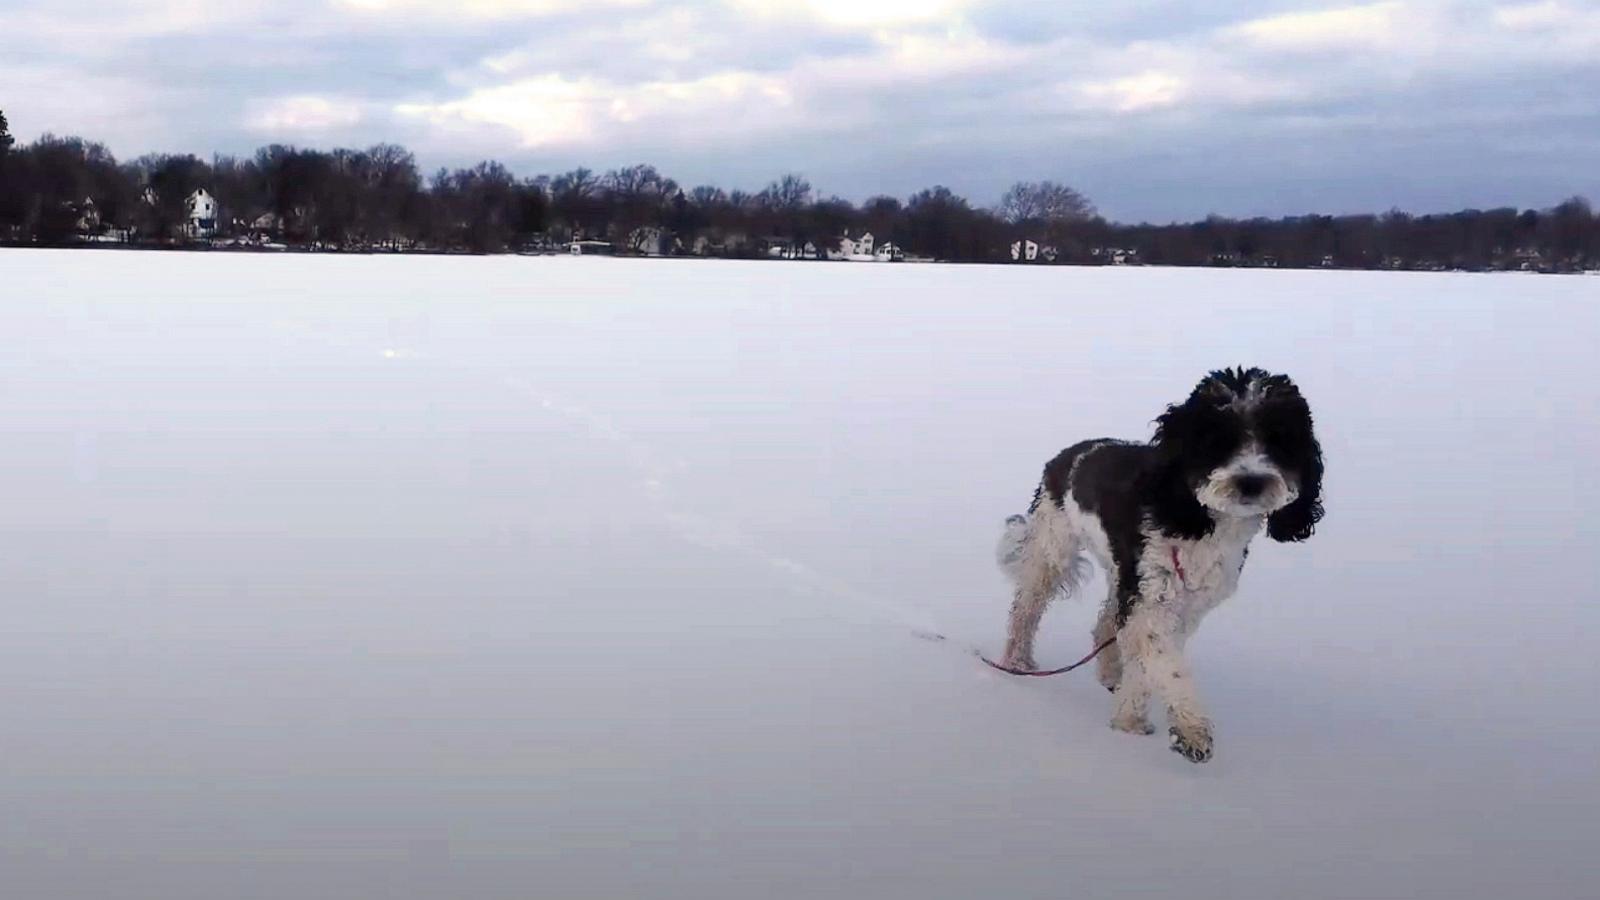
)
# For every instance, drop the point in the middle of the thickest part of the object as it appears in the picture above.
(267, 223)
(648, 241)
(719, 243)
(590, 248)
(888, 252)
(1033, 251)
(860, 249)
(1120, 256)
(88, 217)
(201, 211)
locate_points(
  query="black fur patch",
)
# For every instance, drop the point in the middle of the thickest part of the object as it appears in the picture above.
(1107, 479)
(1110, 481)
(1056, 472)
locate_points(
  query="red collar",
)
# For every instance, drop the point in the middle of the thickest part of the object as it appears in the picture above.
(1178, 567)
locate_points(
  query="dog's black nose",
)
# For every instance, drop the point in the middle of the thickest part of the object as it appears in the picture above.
(1251, 486)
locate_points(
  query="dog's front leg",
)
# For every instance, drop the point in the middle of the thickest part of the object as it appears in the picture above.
(1154, 638)
(1131, 699)
(1109, 662)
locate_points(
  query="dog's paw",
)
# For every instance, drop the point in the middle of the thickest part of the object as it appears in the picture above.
(1018, 656)
(1193, 744)
(1133, 724)
(1110, 680)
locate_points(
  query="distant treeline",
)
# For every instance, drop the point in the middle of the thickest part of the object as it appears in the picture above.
(67, 190)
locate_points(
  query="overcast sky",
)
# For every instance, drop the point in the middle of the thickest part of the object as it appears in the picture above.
(1157, 110)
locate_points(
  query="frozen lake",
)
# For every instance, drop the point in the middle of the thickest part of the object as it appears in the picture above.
(333, 577)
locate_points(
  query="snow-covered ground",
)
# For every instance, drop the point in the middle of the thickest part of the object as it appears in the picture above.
(338, 577)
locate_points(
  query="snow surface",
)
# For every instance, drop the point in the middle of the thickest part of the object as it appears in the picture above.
(395, 577)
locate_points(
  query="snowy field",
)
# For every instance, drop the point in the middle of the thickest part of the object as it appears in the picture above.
(348, 577)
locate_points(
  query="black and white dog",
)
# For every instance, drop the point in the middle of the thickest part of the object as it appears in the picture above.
(1170, 523)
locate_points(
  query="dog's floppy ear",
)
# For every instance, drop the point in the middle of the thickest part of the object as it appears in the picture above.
(1298, 520)
(1167, 491)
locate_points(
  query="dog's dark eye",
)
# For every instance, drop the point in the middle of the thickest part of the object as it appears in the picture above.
(1282, 443)
(1220, 440)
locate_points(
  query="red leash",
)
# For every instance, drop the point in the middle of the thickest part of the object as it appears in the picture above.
(1040, 673)
(1178, 567)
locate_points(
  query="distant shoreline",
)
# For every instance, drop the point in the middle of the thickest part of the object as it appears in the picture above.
(72, 192)
(433, 252)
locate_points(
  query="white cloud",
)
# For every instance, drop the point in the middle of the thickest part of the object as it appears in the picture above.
(1151, 78)
(903, 60)
(1374, 25)
(1531, 16)
(861, 13)
(552, 110)
(1549, 17)
(86, 24)
(549, 109)
(1135, 93)
(483, 9)
(936, 56)
(543, 111)
(305, 113)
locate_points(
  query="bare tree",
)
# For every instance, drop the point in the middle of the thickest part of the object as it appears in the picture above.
(240, 192)
(640, 184)
(579, 182)
(575, 199)
(1045, 202)
(393, 183)
(787, 193)
(639, 197)
(707, 196)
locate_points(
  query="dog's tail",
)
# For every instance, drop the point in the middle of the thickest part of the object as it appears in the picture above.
(1012, 550)
(1013, 543)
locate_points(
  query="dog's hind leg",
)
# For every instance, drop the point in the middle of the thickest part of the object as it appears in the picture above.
(1108, 665)
(1045, 563)
(1027, 610)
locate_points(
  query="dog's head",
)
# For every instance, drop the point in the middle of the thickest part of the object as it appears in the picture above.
(1241, 445)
